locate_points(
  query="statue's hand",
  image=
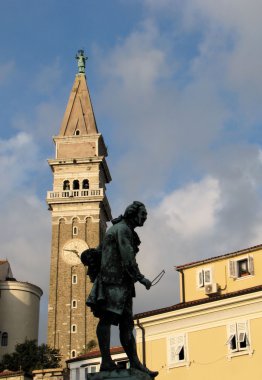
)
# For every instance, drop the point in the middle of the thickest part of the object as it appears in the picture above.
(146, 283)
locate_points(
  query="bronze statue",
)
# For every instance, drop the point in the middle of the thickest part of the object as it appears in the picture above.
(111, 296)
(81, 61)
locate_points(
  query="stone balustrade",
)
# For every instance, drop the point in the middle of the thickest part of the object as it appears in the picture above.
(75, 193)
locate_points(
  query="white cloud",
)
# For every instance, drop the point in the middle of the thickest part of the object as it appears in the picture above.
(192, 210)
(230, 48)
(210, 217)
(42, 123)
(175, 233)
(25, 225)
(18, 158)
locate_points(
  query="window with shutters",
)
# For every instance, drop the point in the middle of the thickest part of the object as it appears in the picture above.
(238, 338)
(204, 277)
(177, 350)
(243, 267)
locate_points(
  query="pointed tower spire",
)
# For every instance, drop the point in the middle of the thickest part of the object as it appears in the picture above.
(79, 118)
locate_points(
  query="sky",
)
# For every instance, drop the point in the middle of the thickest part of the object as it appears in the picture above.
(176, 87)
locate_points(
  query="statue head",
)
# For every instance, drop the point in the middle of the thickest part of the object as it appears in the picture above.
(136, 214)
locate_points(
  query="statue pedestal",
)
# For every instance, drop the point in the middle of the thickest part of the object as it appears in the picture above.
(120, 374)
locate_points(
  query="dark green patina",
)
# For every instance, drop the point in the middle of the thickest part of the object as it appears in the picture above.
(111, 298)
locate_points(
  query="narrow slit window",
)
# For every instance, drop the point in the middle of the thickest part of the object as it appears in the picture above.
(4, 340)
(73, 353)
(74, 279)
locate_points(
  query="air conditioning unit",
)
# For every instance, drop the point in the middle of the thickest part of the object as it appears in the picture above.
(211, 288)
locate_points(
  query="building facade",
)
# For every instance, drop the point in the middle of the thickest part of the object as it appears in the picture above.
(19, 310)
(79, 211)
(82, 366)
(14, 375)
(216, 329)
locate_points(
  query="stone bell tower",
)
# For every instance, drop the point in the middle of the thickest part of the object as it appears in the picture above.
(79, 210)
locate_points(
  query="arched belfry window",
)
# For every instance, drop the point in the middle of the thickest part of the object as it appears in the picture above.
(4, 339)
(85, 184)
(66, 185)
(76, 184)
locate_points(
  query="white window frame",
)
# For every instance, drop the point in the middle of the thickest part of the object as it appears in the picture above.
(75, 230)
(233, 267)
(175, 343)
(240, 331)
(74, 301)
(74, 328)
(201, 277)
(90, 366)
(73, 354)
(74, 279)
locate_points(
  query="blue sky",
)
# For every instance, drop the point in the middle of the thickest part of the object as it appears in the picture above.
(177, 92)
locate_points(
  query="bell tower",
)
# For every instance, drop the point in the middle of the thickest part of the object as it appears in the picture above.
(79, 210)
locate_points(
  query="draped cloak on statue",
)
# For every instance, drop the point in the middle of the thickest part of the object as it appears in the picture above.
(113, 289)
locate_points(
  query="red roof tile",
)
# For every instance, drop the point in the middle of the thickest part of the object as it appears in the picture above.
(96, 354)
(7, 373)
(220, 257)
(184, 305)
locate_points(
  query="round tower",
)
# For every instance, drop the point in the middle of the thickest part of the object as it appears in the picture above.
(19, 316)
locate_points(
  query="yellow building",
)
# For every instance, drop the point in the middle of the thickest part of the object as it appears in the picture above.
(216, 330)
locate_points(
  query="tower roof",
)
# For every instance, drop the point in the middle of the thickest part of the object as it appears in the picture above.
(79, 116)
(5, 270)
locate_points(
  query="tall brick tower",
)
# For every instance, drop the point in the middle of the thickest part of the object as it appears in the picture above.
(80, 210)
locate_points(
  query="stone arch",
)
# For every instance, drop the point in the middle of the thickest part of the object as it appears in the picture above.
(75, 184)
(66, 185)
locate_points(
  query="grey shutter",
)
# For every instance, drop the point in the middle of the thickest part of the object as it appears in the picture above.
(251, 264)
(207, 276)
(232, 268)
(172, 350)
(200, 278)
